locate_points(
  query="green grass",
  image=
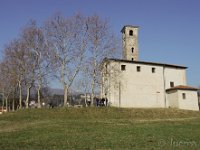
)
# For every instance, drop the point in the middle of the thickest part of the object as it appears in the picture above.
(100, 128)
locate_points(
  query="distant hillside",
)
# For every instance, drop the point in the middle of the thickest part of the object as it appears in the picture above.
(53, 91)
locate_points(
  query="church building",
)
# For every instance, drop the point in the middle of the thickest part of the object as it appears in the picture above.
(131, 83)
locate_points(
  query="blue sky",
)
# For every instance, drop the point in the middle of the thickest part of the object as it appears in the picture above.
(169, 29)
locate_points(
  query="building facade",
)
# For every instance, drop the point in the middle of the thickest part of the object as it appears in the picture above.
(131, 83)
(183, 97)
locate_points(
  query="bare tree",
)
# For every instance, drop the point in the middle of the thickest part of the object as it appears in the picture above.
(7, 82)
(83, 84)
(2, 88)
(102, 43)
(14, 55)
(67, 45)
(37, 67)
(64, 45)
(26, 57)
(21, 59)
(198, 93)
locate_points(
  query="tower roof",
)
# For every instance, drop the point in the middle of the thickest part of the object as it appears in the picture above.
(132, 26)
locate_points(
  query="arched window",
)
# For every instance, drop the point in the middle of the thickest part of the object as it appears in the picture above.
(131, 32)
(132, 49)
(132, 59)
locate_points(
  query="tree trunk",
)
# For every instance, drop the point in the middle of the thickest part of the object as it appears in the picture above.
(3, 105)
(93, 81)
(65, 95)
(13, 104)
(27, 96)
(92, 98)
(20, 95)
(38, 92)
(39, 85)
(6, 104)
(86, 100)
(93, 86)
(9, 105)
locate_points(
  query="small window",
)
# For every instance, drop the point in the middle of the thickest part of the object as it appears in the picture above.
(171, 84)
(153, 70)
(132, 49)
(184, 95)
(131, 32)
(123, 67)
(132, 59)
(138, 68)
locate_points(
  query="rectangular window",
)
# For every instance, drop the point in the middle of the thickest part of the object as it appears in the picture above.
(153, 70)
(184, 95)
(123, 67)
(171, 84)
(138, 68)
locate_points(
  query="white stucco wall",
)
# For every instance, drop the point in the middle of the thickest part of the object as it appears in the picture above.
(144, 89)
(176, 75)
(173, 99)
(190, 102)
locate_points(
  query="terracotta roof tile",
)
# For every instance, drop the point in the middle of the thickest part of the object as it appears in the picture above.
(183, 87)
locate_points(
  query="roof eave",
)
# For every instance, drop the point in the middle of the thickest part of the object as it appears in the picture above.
(148, 63)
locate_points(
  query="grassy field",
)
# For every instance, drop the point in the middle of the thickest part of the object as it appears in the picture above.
(100, 128)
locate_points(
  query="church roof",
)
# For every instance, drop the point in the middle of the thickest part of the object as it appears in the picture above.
(183, 87)
(145, 63)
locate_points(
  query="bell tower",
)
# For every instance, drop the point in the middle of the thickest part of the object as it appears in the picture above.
(130, 42)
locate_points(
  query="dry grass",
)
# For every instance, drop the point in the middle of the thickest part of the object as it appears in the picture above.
(98, 128)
